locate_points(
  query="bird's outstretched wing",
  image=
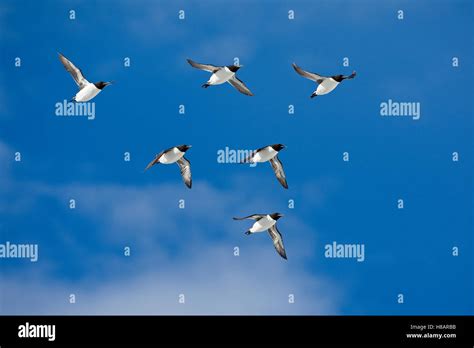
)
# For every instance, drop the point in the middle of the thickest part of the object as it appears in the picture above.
(185, 168)
(75, 72)
(277, 240)
(309, 75)
(255, 217)
(239, 85)
(205, 67)
(278, 169)
(154, 161)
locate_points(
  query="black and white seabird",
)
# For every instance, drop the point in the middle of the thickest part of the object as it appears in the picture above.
(222, 74)
(270, 153)
(175, 154)
(87, 90)
(267, 222)
(326, 84)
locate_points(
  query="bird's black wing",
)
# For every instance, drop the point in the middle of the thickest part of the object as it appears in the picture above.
(255, 217)
(185, 168)
(278, 169)
(309, 75)
(75, 72)
(205, 67)
(239, 85)
(277, 240)
(154, 161)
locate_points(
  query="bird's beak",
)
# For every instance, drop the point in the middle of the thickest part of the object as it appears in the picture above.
(109, 83)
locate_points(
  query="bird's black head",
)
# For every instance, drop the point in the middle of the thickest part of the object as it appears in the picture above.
(183, 148)
(338, 78)
(233, 68)
(276, 216)
(102, 84)
(278, 147)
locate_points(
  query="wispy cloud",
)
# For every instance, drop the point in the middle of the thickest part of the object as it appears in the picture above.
(175, 251)
(212, 280)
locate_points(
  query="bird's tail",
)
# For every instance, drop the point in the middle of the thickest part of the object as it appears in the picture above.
(205, 85)
(248, 232)
(248, 159)
(314, 95)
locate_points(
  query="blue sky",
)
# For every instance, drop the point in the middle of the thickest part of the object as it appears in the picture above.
(190, 250)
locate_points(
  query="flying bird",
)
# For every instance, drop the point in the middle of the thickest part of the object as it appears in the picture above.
(326, 84)
(175, 154)
(270, 153)
(267, 222)
(222, 74)
(87, 90)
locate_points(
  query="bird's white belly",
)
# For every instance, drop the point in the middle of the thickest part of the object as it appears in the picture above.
(220, 77)
(171, 157)
(87, 93)
(326, 86)
(265, 155)
(263, 224)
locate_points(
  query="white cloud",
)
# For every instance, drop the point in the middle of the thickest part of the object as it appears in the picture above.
(145, 215)
(212, 280)
(174, 251)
